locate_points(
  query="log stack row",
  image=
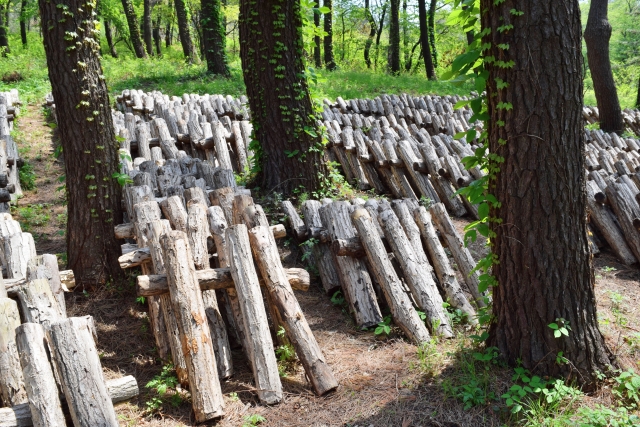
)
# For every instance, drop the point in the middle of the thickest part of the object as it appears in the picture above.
(10, 161)
(382, 254)
(630, 117)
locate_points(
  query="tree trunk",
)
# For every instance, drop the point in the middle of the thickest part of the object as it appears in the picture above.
(317, 54)
(544, 268)
(89, 143)
(394, 38)
(156, 36)
(281, 109)
(405, 33)
(379, 32)
(214, 37)
(424, 40)
(23, 22)
(134, 30)
(372, 34)
(597, 35)
(329, 62)
(432, 31)
(184, 32)
(4, 24)
(109, 36)
(167, 35)
(146, 26)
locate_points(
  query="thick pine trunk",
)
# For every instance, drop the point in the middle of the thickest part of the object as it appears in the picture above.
(214, 37)
(109, 36)
(280, 104)
(424, 40)
(134, 30)
(88, 140)
(544, 269)
(146, 26)
(184, 31)
(597, 35)
(394, 38)
(329, 61)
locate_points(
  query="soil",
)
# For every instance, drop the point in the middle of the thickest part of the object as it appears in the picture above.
(383, 382)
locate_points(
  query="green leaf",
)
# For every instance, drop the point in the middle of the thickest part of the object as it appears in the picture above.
(483, 211)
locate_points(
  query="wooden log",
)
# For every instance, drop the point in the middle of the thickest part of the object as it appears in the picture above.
(267, 257)
(404, 315)
(198, 231)
(40, 383)
(18, 249)
(417, 273)
(421, 181)
(134, 258)
(627, 210)
(260, 346)
(46, 267)
(350, 247)
(186, 299)
(119, 390)
(12, 391)
(240, 203)
(123, 231)
(354, 277)
(459, 251)
(296, 224)
(214, 279)
(399, 175)
(74, 353)
(174, 210)
(224, 197)
(37, 303)
(444, 271)
(604, 220)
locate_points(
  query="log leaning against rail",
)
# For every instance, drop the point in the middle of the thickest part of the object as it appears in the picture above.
(627, 210)
(12, 391)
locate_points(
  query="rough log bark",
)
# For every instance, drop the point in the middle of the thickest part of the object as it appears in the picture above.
(37, 303)
(12, 391)
(626, 209)
(46, 267)
(321, 253)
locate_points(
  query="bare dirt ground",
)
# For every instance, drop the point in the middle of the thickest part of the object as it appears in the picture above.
(382, 382)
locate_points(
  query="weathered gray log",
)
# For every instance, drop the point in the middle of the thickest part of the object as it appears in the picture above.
(37, 303)
(224, 197)
(295, 223)
(354, 277)
(119, 390)
(222, 151)
(404, 315)
(444, 271)
(602, 218)
(398, 173)
(204, 385)
(75, 355)
(460, 253)
(46, 267)
(417, 273)
(18, 250)
(40, 383)
(260, 346)
(214, 279)
(421, 181)
(627, 210)
(12, 391)
(266, 253)
(174, 210)
(123, 231)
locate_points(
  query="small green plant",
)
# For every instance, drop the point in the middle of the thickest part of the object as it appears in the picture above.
(634, 343)
(141, 300)
(253, 420)
(234, 396)
(27, 176)
(338, 299)
(560, 327)
(601, 416)
(384, 327)
(456, 316)
(309, 244)
(162, 384)
(608, 269)
(627, 388)
(428, 357)
(616, 300)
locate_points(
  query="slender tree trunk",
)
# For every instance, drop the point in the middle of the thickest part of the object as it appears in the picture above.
(329, 62)
(134, 29)
(146, 26)
(597, 36)
(409, 63)
(342, 33)
(372, 34)
(638, 97)
(394, 38)
(290, 153)
(544, 267)
(4, 23)
(109, 36)
(184, 32)
(88, 140)
(424, 40)
(432, 31)
(317, 54)
(470, 34)
(156, 36)
(405, 32)
(379, 32)
(167, 35)
(214, 37)
(23, 22)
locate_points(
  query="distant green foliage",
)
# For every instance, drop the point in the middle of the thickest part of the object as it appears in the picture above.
(27, 176)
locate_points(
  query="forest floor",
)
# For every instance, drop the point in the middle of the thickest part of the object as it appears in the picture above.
(383, 382)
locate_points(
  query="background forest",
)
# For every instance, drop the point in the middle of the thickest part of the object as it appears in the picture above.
(359, 26)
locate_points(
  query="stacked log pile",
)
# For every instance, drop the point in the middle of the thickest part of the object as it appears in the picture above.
(10, 161)
(630, 117)
(389, 254)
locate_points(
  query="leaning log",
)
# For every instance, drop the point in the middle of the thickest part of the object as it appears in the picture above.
(12, 391)
(37, 303)
(321, 253)
(627, 210)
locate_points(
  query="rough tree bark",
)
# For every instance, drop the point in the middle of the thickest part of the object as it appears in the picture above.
(109, 36)
(432, 31)
(146, 26)
(280, 104)
(134, 29)
(424, 40)
(372, 33)
(88, 140)
(184, 31)
(329, 61)
(597, 35)
(214, 37)
(394, 38)
(544, 270)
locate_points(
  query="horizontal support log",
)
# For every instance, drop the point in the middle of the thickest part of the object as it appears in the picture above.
(12, 286)
(126, 231)
(420, 167)
(350, 247)
(214, 278)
